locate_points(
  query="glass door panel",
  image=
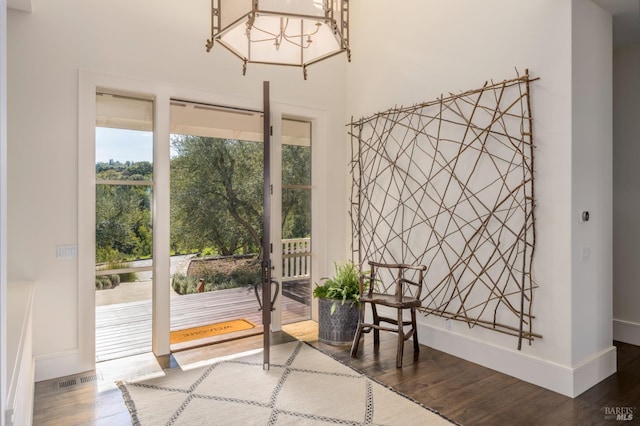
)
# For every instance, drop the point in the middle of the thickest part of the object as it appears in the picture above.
(124, 258)
(296, 220)
(216, 222)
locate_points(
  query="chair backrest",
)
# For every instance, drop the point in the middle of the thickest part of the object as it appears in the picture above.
(397, 278)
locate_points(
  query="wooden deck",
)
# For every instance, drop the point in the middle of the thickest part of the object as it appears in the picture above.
(125, 329)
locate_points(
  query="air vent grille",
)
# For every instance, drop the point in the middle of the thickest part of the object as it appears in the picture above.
(72, 382)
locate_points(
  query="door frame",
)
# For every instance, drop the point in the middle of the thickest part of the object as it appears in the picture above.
(89, 83)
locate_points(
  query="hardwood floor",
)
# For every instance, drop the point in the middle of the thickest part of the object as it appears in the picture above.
(462, 391)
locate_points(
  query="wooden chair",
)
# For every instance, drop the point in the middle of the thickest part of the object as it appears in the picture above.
(406, 295)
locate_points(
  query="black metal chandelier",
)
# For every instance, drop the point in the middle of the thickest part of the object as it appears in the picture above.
(281, 32)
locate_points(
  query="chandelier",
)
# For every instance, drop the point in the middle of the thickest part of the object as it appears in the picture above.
(281, 32)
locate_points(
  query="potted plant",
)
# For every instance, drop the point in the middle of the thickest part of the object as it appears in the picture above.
(338, 305)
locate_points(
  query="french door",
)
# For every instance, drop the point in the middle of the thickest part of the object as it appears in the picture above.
(288, 182)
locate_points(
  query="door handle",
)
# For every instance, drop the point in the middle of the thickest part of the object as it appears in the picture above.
(273, 298)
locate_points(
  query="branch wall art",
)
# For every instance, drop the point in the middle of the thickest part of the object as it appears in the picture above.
(450, 184)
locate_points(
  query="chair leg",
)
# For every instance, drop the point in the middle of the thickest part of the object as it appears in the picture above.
(358, 335)
(416, 345)
(356, 341)
(400, 340)
(376, 321)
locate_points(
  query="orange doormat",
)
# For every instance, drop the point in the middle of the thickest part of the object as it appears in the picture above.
(210, 330)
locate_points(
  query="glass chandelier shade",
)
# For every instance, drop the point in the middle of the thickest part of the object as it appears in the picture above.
(280, 32)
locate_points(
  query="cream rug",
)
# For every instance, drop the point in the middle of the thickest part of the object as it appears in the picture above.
(302, 387)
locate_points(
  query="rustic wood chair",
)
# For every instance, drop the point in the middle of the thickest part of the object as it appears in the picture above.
(402, 294)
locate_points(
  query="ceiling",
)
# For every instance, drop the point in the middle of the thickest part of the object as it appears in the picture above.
(626, 20)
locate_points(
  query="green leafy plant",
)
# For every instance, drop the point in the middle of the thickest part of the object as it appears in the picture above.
(343, 287)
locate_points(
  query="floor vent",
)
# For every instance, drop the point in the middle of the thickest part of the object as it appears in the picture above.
(73, 382)
(88, 379)
(67, 383)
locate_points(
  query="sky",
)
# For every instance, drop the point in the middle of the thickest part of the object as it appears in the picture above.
(123, 145)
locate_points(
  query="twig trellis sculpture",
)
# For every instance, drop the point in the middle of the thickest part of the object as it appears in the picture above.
(449, 184)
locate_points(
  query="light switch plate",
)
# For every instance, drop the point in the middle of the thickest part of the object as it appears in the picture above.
(66, 252)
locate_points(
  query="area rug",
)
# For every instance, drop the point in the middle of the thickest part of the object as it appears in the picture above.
(302, 387)
(209, 330)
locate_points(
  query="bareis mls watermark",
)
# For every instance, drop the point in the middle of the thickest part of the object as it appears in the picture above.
(624, 414)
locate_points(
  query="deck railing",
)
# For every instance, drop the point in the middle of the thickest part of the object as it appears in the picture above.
(296, 259)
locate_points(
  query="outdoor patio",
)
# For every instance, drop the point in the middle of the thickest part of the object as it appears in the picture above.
(124, 329)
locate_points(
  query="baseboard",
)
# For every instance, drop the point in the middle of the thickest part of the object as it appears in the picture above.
(51, 366)
(594, 370)
(568, 381)
(626, 331)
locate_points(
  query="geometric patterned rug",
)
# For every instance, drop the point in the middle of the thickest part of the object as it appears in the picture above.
(303, 387)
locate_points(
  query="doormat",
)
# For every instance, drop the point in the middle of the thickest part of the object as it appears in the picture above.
(209, 330)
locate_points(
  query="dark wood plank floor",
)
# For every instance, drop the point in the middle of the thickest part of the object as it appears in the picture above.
(474, 395)
(463, 391)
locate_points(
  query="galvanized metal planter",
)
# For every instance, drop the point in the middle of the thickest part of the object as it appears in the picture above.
(340, 327)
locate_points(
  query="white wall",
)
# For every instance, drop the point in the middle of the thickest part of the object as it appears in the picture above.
(593, 353)
(415, 51)
(154, 41)
(592, 177)
(626, 194)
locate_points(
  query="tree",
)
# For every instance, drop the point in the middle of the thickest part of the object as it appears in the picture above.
(216, 194)
(296, 199)
(216, 199)
(123, 215)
